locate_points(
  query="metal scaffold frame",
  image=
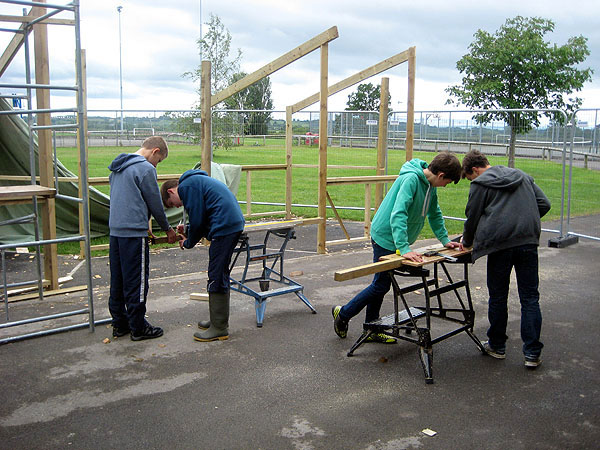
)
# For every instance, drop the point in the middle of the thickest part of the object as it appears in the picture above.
(44, 194)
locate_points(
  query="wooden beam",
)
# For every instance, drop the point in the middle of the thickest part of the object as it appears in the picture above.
(382, 135)
(410, 104)
(276, 64)
(337, 216)
(205, 117)
(355, 78)
(288, 162)
(367, 269)
(29, 18)
(322, 184)
(13, 46)
(362, 179)
(46, 162)
(25, 192)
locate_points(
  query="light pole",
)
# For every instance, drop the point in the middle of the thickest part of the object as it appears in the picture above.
(119, 8)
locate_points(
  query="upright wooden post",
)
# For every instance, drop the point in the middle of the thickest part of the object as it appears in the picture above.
(288, 162)
(42, 76)
(410, 103)
(205, 116)
(322, 200)
(83, 170)
(382, 137)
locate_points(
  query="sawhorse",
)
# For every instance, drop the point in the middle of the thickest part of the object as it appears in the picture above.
(406, 319)
(259, 252)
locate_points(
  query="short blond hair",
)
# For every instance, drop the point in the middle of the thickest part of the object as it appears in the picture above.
(157, 142)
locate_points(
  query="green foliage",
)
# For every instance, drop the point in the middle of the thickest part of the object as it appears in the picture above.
(215, 47)
(366, 98)
(516, 69)
(255, 97)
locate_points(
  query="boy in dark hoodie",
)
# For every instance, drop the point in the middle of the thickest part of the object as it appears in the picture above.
(396, 225)
(503, 222)
(213, 213)
(134, 197)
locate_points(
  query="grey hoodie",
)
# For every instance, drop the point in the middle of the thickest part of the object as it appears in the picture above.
(503, 211)
(134, 196)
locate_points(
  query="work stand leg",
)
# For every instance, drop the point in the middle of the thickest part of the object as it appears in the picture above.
(306, 302)
(261, 306)
(426, 353)
(363, 337)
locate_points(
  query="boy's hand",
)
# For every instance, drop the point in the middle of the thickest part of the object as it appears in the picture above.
(413, 256)
(171, 236)
(181, 230)
(453, 245)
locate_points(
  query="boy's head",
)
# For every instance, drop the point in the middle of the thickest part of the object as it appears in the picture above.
(473, 160)
(169, 194)
(447, 165)
(154, 149)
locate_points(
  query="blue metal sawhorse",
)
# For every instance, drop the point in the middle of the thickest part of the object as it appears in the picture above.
(269, 258)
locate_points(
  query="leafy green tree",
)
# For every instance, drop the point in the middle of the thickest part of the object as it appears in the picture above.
(516, 69)
(255, 97)
(366, 98)
(216, 47)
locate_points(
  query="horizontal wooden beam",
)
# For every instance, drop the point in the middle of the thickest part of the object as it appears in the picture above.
(275, 65)
(27, 19)
(368, 179)
(355, 78)
(367, 269)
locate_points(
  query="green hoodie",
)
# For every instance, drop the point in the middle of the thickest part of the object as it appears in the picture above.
(401, 216)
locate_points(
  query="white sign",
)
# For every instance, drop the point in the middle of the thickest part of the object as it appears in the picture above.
(371, 122)
(197, 120)
(394, 122)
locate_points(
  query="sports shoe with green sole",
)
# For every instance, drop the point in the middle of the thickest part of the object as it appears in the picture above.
(380, 338)
(340, 326)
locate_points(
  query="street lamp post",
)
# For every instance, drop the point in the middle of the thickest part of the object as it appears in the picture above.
(119, 8)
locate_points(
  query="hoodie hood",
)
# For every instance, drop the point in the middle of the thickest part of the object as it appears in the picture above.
(125, 160)
(191, 173)
(500, 177)
(415, 166)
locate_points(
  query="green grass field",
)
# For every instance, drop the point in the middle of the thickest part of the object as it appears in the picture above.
(269, 186)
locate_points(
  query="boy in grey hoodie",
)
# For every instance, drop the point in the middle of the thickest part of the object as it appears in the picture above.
(134, 197)
(503, 222)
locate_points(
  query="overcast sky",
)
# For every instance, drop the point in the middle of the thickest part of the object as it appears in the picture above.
(159, 37)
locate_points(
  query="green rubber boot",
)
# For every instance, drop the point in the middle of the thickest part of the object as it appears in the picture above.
(204, 324)
(218, 306)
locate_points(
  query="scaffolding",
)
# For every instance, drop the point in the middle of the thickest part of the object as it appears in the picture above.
(42, 196)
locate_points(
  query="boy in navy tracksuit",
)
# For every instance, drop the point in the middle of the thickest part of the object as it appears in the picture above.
(213, 212)
(134, 197)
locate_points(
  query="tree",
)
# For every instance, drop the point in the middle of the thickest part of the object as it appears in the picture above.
(254, 97)
(366, 98)
(216, 47)
(516, 69)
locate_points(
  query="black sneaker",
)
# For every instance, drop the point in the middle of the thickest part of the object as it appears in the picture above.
(149, 332)
(340, 326)
(120, 332)
(495, 353)
(531, 361)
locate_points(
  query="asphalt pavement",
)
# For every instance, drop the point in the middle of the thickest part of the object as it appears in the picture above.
(289, 384)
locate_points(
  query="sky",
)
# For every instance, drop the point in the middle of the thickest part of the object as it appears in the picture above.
(158, 45)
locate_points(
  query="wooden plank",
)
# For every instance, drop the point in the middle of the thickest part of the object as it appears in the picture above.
(275, 65)
(49, 293)
(28, 18)
(274, 225)
(337, 216)
(13, 46)
(288, 162)
(355, 78)
(205, 117)
(382, 133)
(322, 183)
(362, 179)
(25, 192)
(410, 104)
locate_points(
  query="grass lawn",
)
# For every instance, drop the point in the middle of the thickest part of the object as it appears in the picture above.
(269, 186)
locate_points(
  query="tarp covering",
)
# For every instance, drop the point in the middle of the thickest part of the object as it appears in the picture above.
(15, 160)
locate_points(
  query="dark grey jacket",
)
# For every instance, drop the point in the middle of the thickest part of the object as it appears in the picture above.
(134, 196)
(503, 211)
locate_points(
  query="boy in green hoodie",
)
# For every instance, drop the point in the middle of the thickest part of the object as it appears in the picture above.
(396, 225)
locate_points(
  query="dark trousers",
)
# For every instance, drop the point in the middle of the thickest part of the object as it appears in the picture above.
(372, 295)
(129, 269)
(219, 258)
(499, 266)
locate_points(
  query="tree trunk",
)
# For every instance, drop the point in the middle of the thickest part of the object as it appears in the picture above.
(511, 148)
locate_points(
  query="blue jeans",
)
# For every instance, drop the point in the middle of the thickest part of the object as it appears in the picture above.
(372, 295)
(499, 266)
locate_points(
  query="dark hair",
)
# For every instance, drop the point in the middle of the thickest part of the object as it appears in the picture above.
(474, 158)
(447, 163)
(169, 184)
(157, 142)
